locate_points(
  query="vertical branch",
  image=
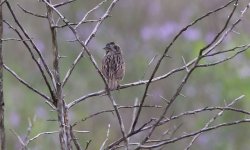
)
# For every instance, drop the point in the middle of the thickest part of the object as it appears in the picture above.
(64, 132)
(2, 130)
(94, 62)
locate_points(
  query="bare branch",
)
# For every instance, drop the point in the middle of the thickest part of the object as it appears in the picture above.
(91, 10)
(77, 145)
(206, 50)
(31, 41)
(195, 133)
(184, 61)
(134, 114)
(47, 99)
(112, 110)
(87, 145)
(92, 58)
(2, 2)
(187, 113)
(227, 51)
(31, 13)
(28, 131)
(25, 83)
(107, 138)
(212, 120)
(63, 3)
(164, 76)
(18, 137)
(42, 133)
(150, 62)
(223, 60)
(165, 53)
(2, 128)
(105, 15)
(30, 51)
(14, 39)
(209, 46)
(62, 111)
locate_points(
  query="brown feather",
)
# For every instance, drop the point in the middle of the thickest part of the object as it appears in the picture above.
(113, 66)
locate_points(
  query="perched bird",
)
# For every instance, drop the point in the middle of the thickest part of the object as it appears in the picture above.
(113, 66)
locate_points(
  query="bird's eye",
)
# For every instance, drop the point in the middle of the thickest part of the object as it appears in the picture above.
(116, 47)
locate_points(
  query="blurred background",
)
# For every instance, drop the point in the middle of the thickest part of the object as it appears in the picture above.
(143, 29)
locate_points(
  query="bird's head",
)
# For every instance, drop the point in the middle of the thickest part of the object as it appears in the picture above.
(112, 47)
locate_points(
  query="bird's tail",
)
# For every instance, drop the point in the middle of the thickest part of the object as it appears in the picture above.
(113, 84)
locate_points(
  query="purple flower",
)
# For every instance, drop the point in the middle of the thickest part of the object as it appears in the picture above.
(209, 37)
(41, 112)
(14, 119)
(147, 33)
(162, 32)
(192, 34)
(40, 45)
(167, 30)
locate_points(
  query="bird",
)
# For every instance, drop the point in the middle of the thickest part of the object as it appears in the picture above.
(113, 65)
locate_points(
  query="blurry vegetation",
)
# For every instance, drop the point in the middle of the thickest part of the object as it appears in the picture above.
(142, 29)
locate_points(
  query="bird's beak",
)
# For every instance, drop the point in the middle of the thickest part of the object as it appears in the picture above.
(105, 48)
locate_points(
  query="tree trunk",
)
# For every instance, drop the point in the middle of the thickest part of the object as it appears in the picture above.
(62, 110)
(2, 130)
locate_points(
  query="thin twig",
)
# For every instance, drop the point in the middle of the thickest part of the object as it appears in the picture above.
(215, 42)
(105, 15)
(31, 13)
(42, 133)
(18, 137)
(203, 51)
(2, 100)
(92, 58)
(47, 99)
(223, 60)
(112, 110)
(14, 39)
(212, 120)
(187, 113)
(91, 10)
(2, 2)
(227, 51)
(184, 61)
(63, 3)
(195, 133)
(77, 144)
(31, 53)
(165, 53)
(107, 138)
(87, 144)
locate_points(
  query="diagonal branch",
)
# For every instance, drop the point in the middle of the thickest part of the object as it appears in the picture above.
(33, 58)
(28, 85)
(91, 10)
(31, 13)
(63, 3)
(30, 51)
(215, 42)
(173, 140)
(212, 120)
